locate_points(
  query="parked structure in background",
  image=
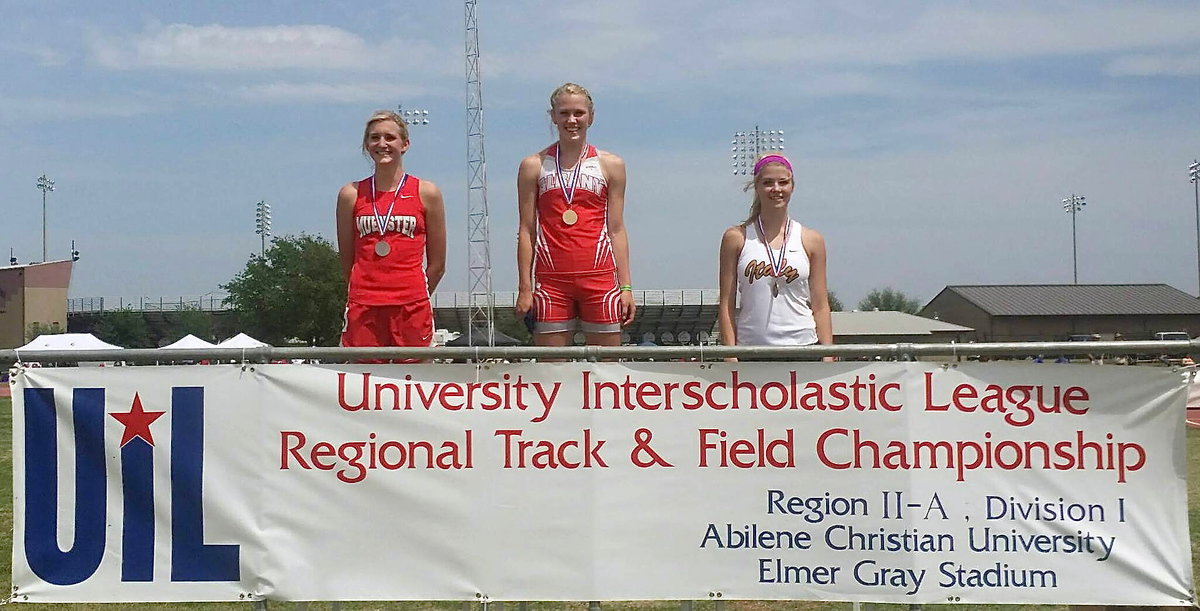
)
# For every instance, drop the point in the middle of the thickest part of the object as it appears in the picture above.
(33, 300)
(1055, 312)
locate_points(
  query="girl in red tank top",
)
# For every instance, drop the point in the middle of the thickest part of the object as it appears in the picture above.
(572, 249)
(391, 231)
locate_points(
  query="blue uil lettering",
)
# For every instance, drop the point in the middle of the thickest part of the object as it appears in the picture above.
(191, 558)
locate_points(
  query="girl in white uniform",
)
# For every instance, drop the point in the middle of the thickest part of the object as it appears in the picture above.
(777, 268)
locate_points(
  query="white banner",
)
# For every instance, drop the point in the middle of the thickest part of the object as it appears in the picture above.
(894, 482)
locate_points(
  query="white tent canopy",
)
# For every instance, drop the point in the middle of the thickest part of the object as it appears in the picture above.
(189, 342)
(68, 341)
(241, 340)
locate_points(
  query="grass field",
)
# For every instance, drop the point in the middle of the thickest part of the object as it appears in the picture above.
(1193, 449)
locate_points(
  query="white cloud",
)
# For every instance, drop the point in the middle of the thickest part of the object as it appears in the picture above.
(21, 110)
(959, 33)
(1156, 65)
(286, 92)
(644, 47)
(617, 41)
(44, 56)
(219, 47)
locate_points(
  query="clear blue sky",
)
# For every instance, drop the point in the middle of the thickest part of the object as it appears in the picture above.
(933, 141)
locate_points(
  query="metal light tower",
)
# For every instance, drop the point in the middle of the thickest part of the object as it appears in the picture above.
(45, 185)
(1194, 172)
(479, 258)
(262, 225)
(747, 146)
(1074, 205)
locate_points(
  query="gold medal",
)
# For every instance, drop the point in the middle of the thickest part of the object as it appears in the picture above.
(382, 248)
(570, 217)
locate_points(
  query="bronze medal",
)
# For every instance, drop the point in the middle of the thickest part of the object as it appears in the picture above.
(382, 248)
(570, 217)
(775, 288)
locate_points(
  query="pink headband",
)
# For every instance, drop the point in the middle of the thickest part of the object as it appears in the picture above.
(772, 159)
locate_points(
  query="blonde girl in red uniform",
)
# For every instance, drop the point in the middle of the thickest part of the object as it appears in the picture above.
(572, 249)
(391, 232)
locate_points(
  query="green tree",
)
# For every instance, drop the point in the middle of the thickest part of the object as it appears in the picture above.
(125, 327)
(190, 320)
(294, 290)
(889, 299)
(38, 328)
(835, 304)
(506, 322)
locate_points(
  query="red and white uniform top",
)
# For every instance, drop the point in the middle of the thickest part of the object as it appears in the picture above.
(582, 247)
(398, 277)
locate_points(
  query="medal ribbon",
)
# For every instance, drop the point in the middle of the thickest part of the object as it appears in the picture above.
(776, 266)
(383, 221)
(569, 195)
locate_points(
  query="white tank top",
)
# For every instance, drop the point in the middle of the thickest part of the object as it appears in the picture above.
(766, 319)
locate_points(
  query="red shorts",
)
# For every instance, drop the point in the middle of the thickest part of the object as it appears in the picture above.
(409, 325)
(592, 299)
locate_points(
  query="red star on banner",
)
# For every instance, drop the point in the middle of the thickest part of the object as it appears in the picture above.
(137, 422)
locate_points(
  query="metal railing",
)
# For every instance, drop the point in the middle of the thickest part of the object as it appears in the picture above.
(898, 352)
(87, 305)
(443, 299)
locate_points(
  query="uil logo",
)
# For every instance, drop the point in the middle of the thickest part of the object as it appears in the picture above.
(191, 558)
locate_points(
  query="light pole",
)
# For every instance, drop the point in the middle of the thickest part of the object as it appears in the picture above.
(1194, 172)
(45, 185)
(262, 224)
(413, 117)
(1074, 205)
(747, 146)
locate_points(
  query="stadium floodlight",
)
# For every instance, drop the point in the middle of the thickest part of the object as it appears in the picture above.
(45, 185)
(413, 117)
(262, 224)
(1074, 205)
(747, 146)
(1194, 173)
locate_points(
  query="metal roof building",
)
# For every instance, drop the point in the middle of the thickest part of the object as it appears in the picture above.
(887, 327)
(1042, 312)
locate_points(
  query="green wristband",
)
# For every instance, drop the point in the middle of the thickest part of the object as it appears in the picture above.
(627, 288)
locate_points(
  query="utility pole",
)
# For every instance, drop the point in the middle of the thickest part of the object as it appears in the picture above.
(45, 185)
(747, 146)
(1194, 173)
(262, 225)
(1074, 205)
(480, 317)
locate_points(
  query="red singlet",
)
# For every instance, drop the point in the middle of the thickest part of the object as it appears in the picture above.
(583, 247)
(397, 278)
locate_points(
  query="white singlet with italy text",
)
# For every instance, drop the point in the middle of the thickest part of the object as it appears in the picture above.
(765, 319)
